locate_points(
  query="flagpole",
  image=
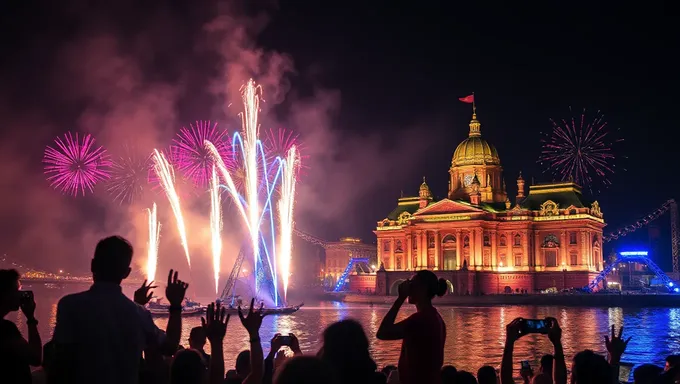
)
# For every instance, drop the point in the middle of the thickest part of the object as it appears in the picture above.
(474, 106)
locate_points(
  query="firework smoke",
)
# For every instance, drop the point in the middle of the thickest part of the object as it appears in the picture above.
(153, 243)
(286, 204)
(74, 165)
(129, 176)
(216, 226)
(166, 176)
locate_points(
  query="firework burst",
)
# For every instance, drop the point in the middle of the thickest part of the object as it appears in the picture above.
(278, 143)
(189, 152)
(129, 176)
(74, 165)
(580, 149)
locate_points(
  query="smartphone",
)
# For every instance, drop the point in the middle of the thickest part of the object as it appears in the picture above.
(286, 340)
(624, 372)
(525, 366)
(534, 326)
(26, 296)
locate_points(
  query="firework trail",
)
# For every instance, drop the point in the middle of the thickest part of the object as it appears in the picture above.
(286, 203)
(216, 225)
(190, 154)
(152, 244)
(166, 176)
(129, 176)
(580, 149)
(72, 166)
(249, 121)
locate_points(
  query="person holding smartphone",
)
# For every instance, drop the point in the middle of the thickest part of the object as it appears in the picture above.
(17, 354)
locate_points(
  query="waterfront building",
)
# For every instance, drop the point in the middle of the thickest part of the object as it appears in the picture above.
(480, 240)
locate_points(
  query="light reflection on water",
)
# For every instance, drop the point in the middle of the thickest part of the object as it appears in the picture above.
(475, 335)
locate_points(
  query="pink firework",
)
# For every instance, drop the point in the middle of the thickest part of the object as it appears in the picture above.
(74, 165)
(189, 153)
(278, 142)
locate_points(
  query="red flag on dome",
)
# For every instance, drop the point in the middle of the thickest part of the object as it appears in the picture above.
(467, 99)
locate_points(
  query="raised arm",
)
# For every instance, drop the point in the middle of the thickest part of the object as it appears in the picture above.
(389, 330)
(559, 365)
(252, 324)
(616, 346)
(174, 292)
(511, 335)
(31, 350)
(215, 325)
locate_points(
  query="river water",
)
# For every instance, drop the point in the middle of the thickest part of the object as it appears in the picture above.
(475, 335)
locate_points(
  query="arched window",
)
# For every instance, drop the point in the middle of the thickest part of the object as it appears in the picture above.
(398, 247)
(386, 246)
(487, 241)
(503, 241)
(449, 239)
(466, 241)
(518, 240)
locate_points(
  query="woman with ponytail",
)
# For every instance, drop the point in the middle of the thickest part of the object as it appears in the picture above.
(423, 334)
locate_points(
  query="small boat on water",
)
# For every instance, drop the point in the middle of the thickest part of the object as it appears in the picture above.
(189, 308)
(267, 311)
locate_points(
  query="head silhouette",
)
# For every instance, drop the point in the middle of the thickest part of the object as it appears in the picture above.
(305, 370)
(112, 258)
(590, 368)
(197, 338)
(345, 348)
(10, 298)
(188, 368)
(424, 286)
(487, 375)
(243, 364)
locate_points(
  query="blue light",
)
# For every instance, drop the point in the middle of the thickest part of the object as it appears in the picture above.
(670, 284)
(676, 290)
(634, 253)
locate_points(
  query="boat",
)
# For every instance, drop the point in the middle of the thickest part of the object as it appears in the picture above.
(231, 310)
(190, 308)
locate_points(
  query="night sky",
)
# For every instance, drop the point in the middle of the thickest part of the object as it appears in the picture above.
(372, 88)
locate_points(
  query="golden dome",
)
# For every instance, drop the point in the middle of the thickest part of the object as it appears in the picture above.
(474, 150)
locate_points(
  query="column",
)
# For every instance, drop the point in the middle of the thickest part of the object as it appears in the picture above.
(422, 250)
(379, 259)
(479, 248)
(583, 257)
(539, 260)
(509, 257)
(563, 250)
(494, 251)
(471, 250)
(392, 264)
(437, 250)
(526, 259)
(408, 252)
(459, 249)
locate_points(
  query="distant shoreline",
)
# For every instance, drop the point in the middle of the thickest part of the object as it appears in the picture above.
(582, 300)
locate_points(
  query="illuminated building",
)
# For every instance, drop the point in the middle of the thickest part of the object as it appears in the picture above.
(338, 255)
(481, 241)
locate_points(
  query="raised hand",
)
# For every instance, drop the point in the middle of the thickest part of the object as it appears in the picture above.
(616, 346)
(513, 330)
(253, 321)
(215, 323)
(276, 344)
(554, 330)
(175, 290)
(404, 289)
(28, 307)
(144, 294)
(295, 345)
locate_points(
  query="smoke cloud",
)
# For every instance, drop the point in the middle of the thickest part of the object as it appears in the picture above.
(133, 83)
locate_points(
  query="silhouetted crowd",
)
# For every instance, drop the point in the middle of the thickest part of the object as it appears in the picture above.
(101, 336)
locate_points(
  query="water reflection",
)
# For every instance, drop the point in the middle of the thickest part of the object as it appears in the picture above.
(475, 335)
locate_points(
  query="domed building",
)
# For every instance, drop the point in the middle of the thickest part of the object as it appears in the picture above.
(482, 242)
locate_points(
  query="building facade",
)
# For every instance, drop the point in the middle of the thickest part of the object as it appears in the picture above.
(481, 241)
(338, 255)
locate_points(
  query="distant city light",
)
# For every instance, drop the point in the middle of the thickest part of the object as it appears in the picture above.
(634, 253)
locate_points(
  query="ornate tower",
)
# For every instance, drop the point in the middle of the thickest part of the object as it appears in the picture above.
(424, 194)
(475, 195)
(475, 156)
(520, 186)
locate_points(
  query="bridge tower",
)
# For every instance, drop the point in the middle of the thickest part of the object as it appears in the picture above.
(674, 238)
